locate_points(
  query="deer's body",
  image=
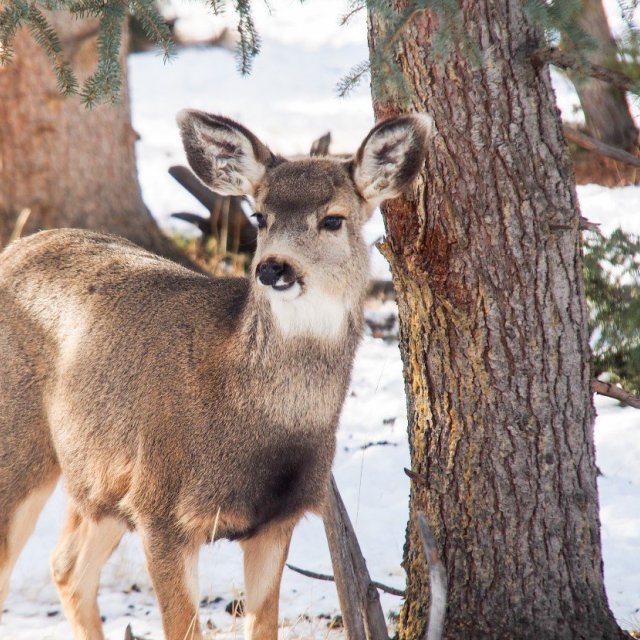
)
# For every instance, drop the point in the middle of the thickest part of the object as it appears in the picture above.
(185, 407)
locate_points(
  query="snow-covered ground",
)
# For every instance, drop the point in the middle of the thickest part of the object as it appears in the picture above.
(288, 101)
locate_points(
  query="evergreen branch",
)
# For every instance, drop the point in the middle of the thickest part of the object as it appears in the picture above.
(249, 43)
(353, 78)
(564, 60)
(217, 6)
(11, 17)
(153, 25)
(106, 82)
(80, 9)
(48, 39)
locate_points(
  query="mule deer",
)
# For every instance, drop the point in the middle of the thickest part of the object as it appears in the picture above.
(185, 407)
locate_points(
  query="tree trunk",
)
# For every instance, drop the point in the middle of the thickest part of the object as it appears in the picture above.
(72, 167)
(486, 262)
(605, 107)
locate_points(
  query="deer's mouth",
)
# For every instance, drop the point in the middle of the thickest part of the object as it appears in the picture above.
(283, 284)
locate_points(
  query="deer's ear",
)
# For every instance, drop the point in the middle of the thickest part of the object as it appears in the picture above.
(391, 156)
(224, 155)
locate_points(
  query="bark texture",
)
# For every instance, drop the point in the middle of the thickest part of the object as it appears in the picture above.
(72, 167)
(605, 107)
(485, 255)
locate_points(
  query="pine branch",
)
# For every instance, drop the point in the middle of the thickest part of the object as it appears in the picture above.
(48, 39)
(153, 25)
(11, 17)
(106, 82)
(564, 60)
(249, 43)
(353, 78)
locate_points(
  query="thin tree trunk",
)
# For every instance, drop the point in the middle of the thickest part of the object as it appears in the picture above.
(72, 167)
(494, 341)
(605, 107)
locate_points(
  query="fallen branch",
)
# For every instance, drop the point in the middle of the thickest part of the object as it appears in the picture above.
(321, 576)
(437, 580)
(359, 599)
(613, 391)
(564, 60)
(591, 144)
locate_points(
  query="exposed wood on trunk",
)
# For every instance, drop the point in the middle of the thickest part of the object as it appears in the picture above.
(494, 339)
(70, 166)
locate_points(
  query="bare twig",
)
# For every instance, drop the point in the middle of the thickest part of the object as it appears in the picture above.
(438, 580)
(564, 60)
(347, 16)
(18, 227)
(415, 477)
(322, 576)
(591, 144)
(613, 391)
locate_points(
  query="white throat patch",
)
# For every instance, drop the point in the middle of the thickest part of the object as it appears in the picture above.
(310, 313)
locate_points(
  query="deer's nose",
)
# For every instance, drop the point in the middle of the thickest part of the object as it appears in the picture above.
(270, 271)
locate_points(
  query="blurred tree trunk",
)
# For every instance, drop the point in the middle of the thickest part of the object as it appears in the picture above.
(72, 167)
(605, 107)
(486, 262)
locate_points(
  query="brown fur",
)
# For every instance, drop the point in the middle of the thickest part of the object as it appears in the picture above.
(176, 404)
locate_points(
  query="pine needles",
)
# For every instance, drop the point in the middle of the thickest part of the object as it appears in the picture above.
(105, 83)
(612, 276)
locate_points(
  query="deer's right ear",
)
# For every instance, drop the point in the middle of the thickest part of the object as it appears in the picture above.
(391, 156)
(225, 155)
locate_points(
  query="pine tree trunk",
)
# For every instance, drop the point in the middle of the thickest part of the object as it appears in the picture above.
(72, 167)
(486, 264)
(605, 107)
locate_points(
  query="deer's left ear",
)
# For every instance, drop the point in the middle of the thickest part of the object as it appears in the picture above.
(391, 156)
(225, 155)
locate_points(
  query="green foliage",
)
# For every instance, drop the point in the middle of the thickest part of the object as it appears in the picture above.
(105, 83)
(389, 81)
(612, 282)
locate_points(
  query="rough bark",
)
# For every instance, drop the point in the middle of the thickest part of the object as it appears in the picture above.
(605, 107)
(485, 255)
(72, 167)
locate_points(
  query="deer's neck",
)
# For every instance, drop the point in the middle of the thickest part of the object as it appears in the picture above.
(302, 367)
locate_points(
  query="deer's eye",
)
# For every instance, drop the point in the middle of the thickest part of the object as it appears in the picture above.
(331, 223)
(262, 223)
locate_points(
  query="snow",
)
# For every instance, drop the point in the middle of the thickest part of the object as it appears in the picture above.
(288, 101)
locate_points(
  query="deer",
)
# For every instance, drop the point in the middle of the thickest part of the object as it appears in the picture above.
(184, 407)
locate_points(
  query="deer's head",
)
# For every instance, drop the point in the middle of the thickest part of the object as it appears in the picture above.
(311, 262)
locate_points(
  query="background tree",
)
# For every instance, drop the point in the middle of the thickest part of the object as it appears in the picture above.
(71, 166)
(605, 106)
(487, 270)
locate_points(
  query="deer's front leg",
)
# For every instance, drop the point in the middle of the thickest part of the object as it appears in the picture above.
(264, 558)
(173, 568)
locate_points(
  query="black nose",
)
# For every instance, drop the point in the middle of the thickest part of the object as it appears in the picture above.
(270, 271)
